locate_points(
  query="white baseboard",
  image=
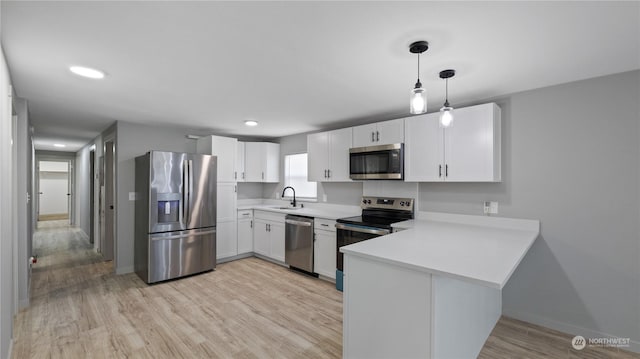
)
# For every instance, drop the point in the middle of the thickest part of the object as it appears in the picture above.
(124, 270)
(570, 329)
(233, 258)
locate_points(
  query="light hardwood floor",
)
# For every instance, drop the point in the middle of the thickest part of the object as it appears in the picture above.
(248, 308)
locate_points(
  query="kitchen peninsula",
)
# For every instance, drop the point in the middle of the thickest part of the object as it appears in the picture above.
(434, 288)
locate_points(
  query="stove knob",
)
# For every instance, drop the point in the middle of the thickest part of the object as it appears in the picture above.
(364, 201)
(402, 203)
(368, 201)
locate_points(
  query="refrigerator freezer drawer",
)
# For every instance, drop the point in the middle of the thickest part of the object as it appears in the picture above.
(181, 253)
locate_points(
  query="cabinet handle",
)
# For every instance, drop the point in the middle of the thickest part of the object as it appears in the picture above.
(251, 224)
(242, 175)
(325, 173)
(235, 175)
(235, 189)
(439, 170)
(446, 170)
(373, 136)
(324, 224)
(328, 173)
(377, 136)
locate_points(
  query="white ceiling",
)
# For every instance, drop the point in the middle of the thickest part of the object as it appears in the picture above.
(293, 66)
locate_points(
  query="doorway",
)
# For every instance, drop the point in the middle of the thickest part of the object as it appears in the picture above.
(55, 185)
(92, 219)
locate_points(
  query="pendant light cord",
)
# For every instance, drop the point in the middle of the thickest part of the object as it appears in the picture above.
(418, 67)
(446, 96)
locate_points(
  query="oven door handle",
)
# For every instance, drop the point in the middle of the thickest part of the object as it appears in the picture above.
(347, 227)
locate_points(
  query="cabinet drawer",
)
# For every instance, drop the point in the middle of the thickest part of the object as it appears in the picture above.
(325, 224)
(269, 216)
(245, 214)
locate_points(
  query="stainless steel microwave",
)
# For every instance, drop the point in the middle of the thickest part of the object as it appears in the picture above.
(385, 162)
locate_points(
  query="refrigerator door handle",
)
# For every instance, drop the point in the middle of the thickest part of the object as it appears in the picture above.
(186, 192)
(182, 235)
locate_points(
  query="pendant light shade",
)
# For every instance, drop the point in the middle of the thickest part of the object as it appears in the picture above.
(446, 112)
(418, 97)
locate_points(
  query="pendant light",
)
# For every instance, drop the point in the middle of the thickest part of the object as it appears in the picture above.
(446, 112)
(418, 99)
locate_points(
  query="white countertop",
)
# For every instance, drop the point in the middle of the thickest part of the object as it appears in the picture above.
(477, 249)
(326, 211)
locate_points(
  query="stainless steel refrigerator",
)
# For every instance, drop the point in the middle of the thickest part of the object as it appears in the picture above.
(175, 215)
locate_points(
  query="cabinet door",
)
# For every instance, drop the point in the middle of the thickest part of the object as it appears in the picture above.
(364, 135)
(324, 253)
(224, 148)
(338, 152)
(245, 236)
(226, 209)
(472, 145)
(226, 239)
(276, 236)
(389, 132)
(261, 243)
(318, 156)
(271, 162)
(240, 162)
(253, 162)
(423, 149)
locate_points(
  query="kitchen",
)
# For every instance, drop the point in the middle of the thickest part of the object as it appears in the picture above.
(569, 159)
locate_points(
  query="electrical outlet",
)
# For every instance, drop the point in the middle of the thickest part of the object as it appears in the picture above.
(132, 196)
(324, 197)
(490, 207)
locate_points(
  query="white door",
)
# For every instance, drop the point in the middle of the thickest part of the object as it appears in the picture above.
(253, 162)
(339, 145)
(469, 145)
(324, 253)
(423, 149)
(240, 162)
(389, 132)
(261, 243)
(226, 202)
(271, 162)
(226, 239)
(276, 236)
(318, 156)
(225, 149)
(245, 236)
(364, 135)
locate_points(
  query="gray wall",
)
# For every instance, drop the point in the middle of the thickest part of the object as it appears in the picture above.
(134, 140)
(83, 190)
(347, 193)
(570, 159)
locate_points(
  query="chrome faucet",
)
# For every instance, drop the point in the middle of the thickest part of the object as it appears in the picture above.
(293, 203)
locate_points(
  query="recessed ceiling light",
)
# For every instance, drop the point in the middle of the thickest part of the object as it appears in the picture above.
(87, 72)
(251, 123)
(60, 145)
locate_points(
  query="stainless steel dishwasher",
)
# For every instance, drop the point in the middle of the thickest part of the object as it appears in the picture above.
(299, 242)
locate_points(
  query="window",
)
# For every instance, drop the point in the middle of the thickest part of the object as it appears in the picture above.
(295, 175)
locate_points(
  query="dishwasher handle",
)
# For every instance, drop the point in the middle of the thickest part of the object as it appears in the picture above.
(298, 223)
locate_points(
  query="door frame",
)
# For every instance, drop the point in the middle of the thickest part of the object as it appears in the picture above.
(53, 156)
(110, 199)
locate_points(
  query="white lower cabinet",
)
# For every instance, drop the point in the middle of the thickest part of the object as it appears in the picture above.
(245, 231)
(268, 234)
(324, 248)
(226, 239)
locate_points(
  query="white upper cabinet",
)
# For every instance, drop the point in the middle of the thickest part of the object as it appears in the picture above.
(240, 176)
(468, 151)
(379, 133)
(328, 156)
(262, 162)
(224, 148)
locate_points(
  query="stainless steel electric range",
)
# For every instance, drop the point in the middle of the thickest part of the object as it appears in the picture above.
(378, 214)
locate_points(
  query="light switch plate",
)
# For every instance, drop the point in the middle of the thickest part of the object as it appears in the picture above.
(132, 196)
(490, 207)
(324, 197)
